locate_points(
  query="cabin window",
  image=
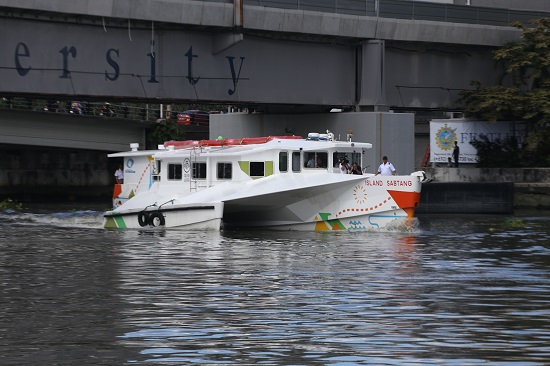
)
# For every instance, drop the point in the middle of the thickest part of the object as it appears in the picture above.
(199, 170)
(224, 171)
(174, 171)
(351, 157)
(283, 161)
(296, 161)
(316, 159)
(257, 169)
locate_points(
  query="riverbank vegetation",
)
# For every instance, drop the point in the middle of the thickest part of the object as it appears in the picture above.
(522, 93)
(9, 204)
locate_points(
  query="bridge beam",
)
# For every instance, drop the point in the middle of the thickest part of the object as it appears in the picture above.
(371, 76)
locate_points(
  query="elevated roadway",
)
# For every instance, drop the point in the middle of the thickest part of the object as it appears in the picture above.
(277, 55)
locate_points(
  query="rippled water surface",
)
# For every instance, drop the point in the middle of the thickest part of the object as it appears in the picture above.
(455, 290)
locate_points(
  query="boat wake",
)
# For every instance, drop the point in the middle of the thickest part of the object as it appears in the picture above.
(402, 225)
(83, 219)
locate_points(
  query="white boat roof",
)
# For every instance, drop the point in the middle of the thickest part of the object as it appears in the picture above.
(283, 144)
(133, 153)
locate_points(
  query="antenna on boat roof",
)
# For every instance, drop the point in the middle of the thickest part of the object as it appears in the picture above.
(350, 135)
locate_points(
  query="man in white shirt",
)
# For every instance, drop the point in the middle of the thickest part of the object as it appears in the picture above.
(386, 168)
(119, 175)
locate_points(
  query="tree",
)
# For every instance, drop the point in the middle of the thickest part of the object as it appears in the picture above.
(166, 131)
(526, 71)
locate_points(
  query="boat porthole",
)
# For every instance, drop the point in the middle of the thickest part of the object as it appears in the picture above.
(143, 219)
(156, 219)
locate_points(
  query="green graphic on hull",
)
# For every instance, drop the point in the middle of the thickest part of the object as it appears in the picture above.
(115, 222)
(328, 224)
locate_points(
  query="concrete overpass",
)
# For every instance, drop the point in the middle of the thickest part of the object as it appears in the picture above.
(309, 56)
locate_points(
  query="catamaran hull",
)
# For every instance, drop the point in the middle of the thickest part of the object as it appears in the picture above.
(187, 217)
(360, 205)
(397, 219)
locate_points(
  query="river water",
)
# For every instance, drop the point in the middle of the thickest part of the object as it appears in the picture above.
(452, 290)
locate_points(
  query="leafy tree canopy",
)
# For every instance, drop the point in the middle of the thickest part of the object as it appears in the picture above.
(522, 93)
(163, 132)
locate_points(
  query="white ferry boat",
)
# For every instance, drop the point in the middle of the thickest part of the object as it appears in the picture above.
(277, 182)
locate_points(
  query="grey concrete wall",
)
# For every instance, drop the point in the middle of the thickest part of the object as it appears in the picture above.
(364, 27)
(171, 11)
(537, 5)
(78, 60)
(391, 134)
(86, 57)
(531, 185)
(36, 174)
(480, 175)
(217, 14)
(466, 198)
(65, 130)
(420, 75)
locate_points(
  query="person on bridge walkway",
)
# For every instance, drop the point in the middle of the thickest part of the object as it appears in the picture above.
(386, 168)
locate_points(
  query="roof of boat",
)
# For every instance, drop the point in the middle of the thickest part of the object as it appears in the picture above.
(276, 143)
(237, 146)
(134, 153)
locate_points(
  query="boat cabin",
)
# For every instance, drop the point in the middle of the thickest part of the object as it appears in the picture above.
(210, 162)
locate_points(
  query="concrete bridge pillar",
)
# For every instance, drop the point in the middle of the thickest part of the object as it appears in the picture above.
(371, 79)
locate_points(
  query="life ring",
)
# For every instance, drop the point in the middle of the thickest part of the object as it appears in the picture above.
(143, 218)
(156, 219)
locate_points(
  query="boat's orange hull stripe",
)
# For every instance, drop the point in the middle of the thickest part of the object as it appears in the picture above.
(406, 200)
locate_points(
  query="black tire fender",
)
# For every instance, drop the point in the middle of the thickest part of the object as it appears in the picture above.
(143, 218)
(153, 219)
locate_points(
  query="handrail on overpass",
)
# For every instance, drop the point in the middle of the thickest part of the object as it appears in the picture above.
(406, 9)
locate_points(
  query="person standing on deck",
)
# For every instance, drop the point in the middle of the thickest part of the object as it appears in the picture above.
(386, 168)
(119, 175)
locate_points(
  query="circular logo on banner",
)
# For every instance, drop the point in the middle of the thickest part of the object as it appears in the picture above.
(445, 137)
(186, 165)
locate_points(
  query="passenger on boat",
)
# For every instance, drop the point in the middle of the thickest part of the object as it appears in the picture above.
(355, 169)
(311, 161)
(344, 166)
(119, 175)
(320, 163)
(386, 168)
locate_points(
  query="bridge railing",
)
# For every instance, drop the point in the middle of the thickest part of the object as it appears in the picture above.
(411, 10)
(144, 112)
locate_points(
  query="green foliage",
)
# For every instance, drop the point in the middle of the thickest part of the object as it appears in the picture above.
(9, 204)
(492, 103)
(526, 65)
(165, 131)
(515, 223)
(527, 60)
(498, 153)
